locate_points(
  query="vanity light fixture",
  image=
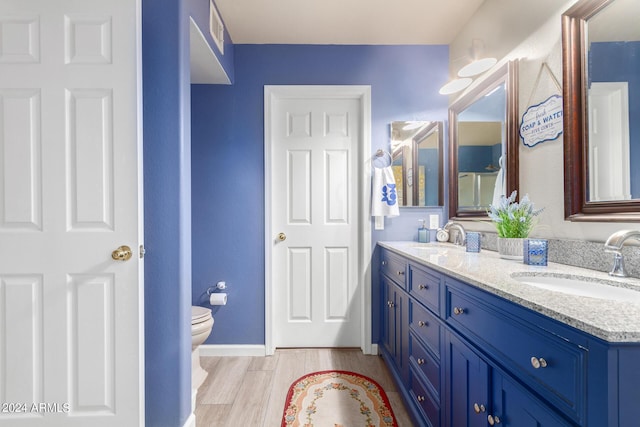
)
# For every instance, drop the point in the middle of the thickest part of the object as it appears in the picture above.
(455, 86)
(477, 67)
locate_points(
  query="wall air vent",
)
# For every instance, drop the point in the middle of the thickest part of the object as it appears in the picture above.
(216, 27)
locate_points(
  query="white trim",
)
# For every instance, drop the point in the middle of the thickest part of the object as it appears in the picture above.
(362, 93)
(210, 350)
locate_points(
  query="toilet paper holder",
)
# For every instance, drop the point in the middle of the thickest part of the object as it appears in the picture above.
(218, 287)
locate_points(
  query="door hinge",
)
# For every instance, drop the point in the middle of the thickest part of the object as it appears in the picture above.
(142, 251)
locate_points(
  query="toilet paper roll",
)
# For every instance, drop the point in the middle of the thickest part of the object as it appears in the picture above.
(218, 299)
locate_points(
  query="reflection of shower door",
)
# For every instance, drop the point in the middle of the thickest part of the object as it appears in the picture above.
(475, 189)
(609, 176)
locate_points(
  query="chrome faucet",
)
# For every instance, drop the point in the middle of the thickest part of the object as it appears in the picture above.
(461, 236)
(614, 245)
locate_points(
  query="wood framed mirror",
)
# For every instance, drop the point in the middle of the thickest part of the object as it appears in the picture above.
(483, 144)
(417, 155)
(601, 95)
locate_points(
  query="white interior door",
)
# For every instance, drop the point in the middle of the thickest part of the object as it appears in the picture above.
(609, 166)
(315, 143)
(70, 315)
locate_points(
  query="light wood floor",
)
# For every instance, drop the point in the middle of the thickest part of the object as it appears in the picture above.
(250, 391)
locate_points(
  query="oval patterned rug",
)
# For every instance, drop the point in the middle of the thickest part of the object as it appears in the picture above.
(337, 399)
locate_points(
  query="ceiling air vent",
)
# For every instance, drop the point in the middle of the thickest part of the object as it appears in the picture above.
(216, 27)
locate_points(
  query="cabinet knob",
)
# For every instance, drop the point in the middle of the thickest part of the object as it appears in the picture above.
(493, 420)
(538, 363)
(458, 311)
(478, 408)
(422, 287)
(420, 398)
(400, 273)
(384, 263)
(390, 304)
(421, 361)
(422, 323)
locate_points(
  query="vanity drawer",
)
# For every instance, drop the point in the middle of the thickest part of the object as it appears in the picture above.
(425, 287)
(394, 267)
(426, 326)
(427, 403)
(425, 363)
(544, 360)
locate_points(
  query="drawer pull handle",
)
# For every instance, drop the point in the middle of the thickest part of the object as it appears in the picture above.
(538, 363)
(493, 420)
(478, 408)
(422, 287)
(422, 323)
(421, 361)
(420, 398)
(400, 273)
(458, 311)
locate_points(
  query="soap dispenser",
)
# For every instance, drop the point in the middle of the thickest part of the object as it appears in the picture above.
(423, 233)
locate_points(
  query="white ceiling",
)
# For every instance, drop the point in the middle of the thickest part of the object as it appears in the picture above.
(345, 21)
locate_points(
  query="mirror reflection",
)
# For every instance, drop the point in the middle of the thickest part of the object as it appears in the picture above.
(416, 149)
(613, 88)
(481, 149)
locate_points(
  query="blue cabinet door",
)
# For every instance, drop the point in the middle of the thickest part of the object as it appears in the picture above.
(512, 406)
(467, 386)
(395, 325)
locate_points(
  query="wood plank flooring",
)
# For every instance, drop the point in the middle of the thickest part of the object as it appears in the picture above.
(250, 391)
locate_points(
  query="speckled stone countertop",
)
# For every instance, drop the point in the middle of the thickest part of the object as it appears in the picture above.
(612, 321)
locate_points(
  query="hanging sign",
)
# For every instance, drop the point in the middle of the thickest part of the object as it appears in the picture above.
(542, 122)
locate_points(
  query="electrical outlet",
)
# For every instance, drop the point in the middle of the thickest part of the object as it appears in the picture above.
(434, 222)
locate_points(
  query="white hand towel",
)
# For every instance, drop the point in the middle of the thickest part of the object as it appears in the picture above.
(498, 189)
(384, 200)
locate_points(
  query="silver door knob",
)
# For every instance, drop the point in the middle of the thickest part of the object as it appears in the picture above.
(123, 253)
(282, 237)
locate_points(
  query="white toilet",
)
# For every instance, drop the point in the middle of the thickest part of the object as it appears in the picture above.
(201, 324)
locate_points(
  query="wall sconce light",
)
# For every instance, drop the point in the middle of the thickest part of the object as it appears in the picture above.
(455, 86)
(476, 67)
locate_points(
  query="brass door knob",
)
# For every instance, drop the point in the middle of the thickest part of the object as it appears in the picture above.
(282, 237)
(123, 253)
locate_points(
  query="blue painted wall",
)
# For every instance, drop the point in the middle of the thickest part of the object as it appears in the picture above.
(228, 158)
(620, 62)
(167, 212)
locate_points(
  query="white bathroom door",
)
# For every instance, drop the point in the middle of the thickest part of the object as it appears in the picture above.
(71, 336)
(314, 187)
(609, 165)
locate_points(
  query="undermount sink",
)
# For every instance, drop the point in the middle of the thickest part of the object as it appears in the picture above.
(581, 286)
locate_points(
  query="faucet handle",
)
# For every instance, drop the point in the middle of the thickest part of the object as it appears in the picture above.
(618, 269)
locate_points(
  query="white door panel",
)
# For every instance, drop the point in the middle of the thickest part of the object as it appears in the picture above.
(70, 191)
(315, 187)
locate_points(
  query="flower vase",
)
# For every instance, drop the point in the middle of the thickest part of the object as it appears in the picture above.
(510, 248)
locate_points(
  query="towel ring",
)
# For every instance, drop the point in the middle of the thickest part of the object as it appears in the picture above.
(382, 154)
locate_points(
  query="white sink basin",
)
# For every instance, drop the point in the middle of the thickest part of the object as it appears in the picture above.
(581, 286)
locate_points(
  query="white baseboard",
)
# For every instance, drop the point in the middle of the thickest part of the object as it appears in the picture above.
(374, 349)
(209, 350)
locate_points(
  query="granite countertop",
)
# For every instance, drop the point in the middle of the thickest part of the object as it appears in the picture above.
(610, 320)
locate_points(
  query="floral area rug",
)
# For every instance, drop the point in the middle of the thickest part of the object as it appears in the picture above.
(337, 399)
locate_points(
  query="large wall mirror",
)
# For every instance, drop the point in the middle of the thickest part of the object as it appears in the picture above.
(601, 73)
(483, 144)
(416, 149)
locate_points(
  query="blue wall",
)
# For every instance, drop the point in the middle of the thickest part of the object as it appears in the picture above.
(228, 157)
(167, 212)
(620, 62)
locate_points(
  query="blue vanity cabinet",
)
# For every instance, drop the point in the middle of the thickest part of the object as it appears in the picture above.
(463, 357)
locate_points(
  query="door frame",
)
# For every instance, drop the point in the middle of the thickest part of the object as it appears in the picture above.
(362, 94)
